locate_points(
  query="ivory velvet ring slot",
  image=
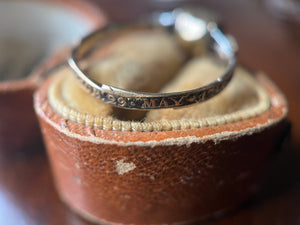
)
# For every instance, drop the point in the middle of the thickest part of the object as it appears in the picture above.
(176, 23)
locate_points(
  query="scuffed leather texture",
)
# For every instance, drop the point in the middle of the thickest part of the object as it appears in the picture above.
(129, 181)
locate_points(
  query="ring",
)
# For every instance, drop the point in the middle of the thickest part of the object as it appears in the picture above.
(175, 21)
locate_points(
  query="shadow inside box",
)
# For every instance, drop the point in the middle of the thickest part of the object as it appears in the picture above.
(283, 175)
(277, 199)
(283, 171)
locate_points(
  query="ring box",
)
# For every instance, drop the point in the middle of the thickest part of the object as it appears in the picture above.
(30, 32)
(159, 170)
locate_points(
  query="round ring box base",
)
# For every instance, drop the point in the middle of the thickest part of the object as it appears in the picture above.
(160, 177)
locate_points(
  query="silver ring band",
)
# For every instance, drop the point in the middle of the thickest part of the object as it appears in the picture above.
(145, 101)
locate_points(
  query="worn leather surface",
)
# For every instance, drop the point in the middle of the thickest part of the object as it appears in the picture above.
(157, 177)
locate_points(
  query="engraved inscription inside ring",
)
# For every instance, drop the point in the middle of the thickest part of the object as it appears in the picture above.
(122, 101)
(111, 98)
(141, 101)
